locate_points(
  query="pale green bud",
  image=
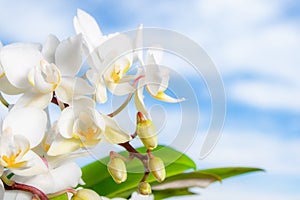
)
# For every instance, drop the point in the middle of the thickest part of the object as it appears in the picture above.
(86, 194)
(117, 170)
(157, 168)
(146, 132)
(144, 188)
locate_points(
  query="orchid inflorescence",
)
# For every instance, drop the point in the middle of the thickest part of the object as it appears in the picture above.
(37, 154)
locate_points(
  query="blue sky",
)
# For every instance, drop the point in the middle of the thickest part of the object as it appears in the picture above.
(255, 45)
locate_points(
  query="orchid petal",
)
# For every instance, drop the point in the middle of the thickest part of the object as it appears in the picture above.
(139, 100)
(44, 77)
(87, 129)
(68, 56)
(97, 81)
(13, 148)
(113, 133)
(101, 93)
(71, 88)
(87, 25)
(29, 122)
(120, 88)
(157, 77)
(17, 60)
(32, 98)
(66, 176)
(8, 88)
(35, 165)
(94, 60)
(56, 161)
(83, 104)
(17, 195)
(43, 182)
(99, 120)
(49, 48)
(65, 122)
(162, 96)
(63, 146)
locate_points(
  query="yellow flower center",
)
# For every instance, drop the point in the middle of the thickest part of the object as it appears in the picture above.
(118, 72)
(89, 137)
(11, 160)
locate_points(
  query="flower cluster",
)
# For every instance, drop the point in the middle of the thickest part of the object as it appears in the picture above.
(37, 154)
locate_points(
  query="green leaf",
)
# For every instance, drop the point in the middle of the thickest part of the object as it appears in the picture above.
(187, 180)
(228, 172)
(163, 194)
(60, 197)
(98, 179)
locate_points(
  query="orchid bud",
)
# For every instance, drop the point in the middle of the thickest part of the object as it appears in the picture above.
(157, 168)
(85, 194)
(146, 132)
(144, 188)
(117, 169)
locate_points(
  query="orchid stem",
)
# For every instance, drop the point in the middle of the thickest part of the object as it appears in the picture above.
(143, 158)
(122, 106)
(115, 154)
(3, 101)
(127, 100)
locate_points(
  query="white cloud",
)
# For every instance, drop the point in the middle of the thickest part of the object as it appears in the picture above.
(33, 21)
(264, 94)
(252, 37)
(241, 148)
(278, 156)
(238, 192)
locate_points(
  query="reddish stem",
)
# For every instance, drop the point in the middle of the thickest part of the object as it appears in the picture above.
(27, 188)
(143, 158)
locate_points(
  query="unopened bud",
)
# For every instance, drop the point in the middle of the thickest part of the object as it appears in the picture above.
(117, 169)
(86, 194)
(144, 188)
(157, 168)
(146, 132)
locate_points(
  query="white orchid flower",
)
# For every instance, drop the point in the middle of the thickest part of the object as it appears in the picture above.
(55, 179)
(104, 73)
(41, 72)
(81, 125)
(155, 79)
(18, 135)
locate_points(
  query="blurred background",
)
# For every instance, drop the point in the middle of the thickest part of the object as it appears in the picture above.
(255, 45)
